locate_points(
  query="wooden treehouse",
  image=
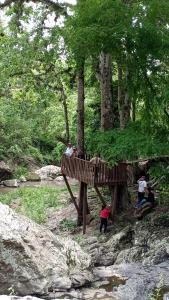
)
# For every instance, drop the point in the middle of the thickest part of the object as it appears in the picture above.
(96, 173)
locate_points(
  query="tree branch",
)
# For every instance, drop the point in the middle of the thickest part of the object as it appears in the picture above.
(55, 6)
(166, 113)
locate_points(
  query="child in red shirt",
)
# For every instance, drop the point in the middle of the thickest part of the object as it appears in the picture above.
(104, 214)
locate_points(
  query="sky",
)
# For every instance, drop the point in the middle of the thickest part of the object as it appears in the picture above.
(68, 1)
(49, 23)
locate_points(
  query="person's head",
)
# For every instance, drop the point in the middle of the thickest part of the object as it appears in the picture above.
(103, 206)
(69, 145)
(142, 177)
(149, 189)
(74, 149)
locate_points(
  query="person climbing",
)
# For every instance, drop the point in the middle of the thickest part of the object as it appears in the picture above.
(69, 150)
(104, 215)
(145, 204)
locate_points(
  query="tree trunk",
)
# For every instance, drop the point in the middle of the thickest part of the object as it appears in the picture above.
(133, 109)
(64, 102)
(107, 116)
(123, 98)
(80, 144)
(80, 111)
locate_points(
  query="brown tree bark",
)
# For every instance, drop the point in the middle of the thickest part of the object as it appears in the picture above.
(133, 111)
(105, 76)
(80, 144)
(80, 111)
(123, 98)
(64, 102)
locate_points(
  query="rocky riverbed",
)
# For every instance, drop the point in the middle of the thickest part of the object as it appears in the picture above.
(52, 262)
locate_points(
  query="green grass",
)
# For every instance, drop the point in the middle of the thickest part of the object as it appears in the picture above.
(33, 202)
(68, 224)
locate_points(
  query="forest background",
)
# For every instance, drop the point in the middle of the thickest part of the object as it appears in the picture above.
(101, 66)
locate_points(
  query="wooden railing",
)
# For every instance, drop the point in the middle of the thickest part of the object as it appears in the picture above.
(93, 174)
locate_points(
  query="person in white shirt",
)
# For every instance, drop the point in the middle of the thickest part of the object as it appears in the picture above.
(69, 150)
(142, 187)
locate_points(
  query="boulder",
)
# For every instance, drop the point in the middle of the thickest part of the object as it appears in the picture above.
(31, 176)
(48, 172)
(114, 245)
(22, 179)
(34, 261)
(11, 183)
(5, 171)
(4, 297)
(103, 252)
(140, 281)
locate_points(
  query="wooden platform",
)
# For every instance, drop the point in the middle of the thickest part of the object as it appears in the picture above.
(98, 174)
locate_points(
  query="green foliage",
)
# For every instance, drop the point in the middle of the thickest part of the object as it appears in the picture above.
(130, 143)
(68, 224)
(160, 172)
(34, 201)
(39, 64)
(35, 152)
(19, 171)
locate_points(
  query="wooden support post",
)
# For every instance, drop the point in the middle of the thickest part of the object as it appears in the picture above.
(100, 195)
(84, 208)
(83, 205)
(114, 201)
(80, 214)
(70, 192)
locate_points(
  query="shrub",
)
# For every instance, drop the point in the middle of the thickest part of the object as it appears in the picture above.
(68, 224)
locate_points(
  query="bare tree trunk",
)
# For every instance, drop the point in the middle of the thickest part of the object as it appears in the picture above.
(64, 102)
(80, 143)
(107, 116)
(123, 98)
(133, 110)
(80, 111)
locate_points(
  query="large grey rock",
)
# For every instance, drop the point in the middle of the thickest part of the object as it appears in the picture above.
(105, 252)
(11, 183)
(140, 281)
(157, 252)
(5, 171)
(32, 176)
(22, 179)
(48, 172)
(33, 260)
(5, 297)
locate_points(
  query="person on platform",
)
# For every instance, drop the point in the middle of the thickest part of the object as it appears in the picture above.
(75, 153)
(69, 150)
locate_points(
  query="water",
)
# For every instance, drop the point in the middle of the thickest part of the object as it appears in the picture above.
(112, 282)
(48, 183)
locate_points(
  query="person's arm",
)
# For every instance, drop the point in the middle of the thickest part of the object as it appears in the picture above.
(145, 187)
(139, 179)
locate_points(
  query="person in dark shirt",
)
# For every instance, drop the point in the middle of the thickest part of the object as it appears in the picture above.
(150, 197)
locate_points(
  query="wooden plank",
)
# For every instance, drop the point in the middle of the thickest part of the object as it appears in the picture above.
(93, 174)
(71, 194)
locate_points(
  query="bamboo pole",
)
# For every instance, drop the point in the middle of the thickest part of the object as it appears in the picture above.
(70, 192)
(100, 195)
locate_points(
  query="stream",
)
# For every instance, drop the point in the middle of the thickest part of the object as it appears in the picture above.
(42, 183)
(109, 287)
